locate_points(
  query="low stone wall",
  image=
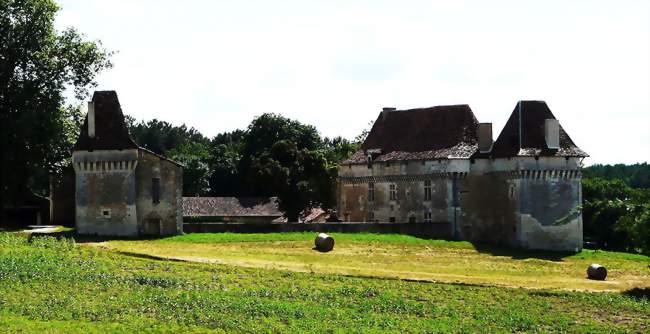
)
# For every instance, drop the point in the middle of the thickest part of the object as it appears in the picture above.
(425, 230)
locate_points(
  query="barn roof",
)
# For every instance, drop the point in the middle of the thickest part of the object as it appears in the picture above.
(231, 206)
(526, 137)
(439, 132)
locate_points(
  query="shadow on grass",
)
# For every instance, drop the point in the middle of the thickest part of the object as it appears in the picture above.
(521, 254)
(87, 238)
(638, 293)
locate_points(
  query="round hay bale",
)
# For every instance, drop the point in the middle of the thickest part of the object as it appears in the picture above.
(596, 272)
(324, 242)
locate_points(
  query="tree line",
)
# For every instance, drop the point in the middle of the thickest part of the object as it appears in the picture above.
(273, 156)
(616, 206)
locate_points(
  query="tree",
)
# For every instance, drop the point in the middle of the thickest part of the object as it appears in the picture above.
(186, 146)
(615, 215)
(226, 149)
(196, 172)
(300, 178)
(37, 64)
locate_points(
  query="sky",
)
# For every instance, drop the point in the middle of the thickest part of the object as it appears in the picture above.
(215, 65)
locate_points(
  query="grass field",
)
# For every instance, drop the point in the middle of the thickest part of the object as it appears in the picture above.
(60, 287)
(401, 256)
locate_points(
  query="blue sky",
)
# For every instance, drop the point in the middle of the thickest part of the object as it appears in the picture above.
(215, 65)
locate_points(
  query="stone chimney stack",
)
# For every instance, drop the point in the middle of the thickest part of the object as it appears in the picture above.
(385, 111)
(91, 119)
(484, 134)
(552, 133)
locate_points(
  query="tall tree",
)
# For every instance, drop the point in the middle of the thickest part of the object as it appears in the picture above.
(37, 64)
(185, 145)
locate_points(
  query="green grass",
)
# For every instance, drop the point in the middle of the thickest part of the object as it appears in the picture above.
(58, 287)
(400, 256)
(309, 236)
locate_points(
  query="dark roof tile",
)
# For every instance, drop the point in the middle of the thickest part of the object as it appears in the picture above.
(440, 132)
(111, 132)
(231, 206)
(533, 142)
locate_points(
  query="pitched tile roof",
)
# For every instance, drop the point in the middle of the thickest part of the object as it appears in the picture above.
(530, 131)
(111, 132)
(440, 132)
(231, 206)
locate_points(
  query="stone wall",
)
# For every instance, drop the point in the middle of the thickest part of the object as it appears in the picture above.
(523, 202)
(163, 217)
(113, 193)
(105, 193)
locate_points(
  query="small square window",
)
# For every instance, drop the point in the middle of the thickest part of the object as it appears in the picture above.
(391, 219)
(106, 213)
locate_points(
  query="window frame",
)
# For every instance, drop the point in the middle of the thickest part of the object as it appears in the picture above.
(427, 190)
(392, 192)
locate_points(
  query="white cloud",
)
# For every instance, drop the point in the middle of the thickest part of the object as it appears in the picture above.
(334, 64)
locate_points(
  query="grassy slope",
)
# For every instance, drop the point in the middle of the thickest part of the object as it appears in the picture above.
(400, 256)
(57, 287)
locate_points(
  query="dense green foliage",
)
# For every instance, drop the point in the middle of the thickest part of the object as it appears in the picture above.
(58, 287)
(37, 64)
(615, 215)
(274, 156)
(635, 176)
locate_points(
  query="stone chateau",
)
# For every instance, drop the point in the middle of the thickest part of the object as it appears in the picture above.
(440, 166)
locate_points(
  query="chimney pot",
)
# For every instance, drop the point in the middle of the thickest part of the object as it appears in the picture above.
(385, 111)
(484, 134)
(552, 133)
(91, 119)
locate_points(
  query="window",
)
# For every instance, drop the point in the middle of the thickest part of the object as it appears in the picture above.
(391, 219)
(427, 190)
(393, 192)
(371, 192)
(155, 190)
(427, 216)
(412, 219)
(387, 163)
(369, 160)
(106, 213)
(371, 216)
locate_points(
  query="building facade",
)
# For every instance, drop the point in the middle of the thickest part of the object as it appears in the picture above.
(440, 165)
(122, 189)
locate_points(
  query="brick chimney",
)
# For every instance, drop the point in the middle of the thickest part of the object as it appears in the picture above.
(552, 133)
(385, 111)
(484, 134)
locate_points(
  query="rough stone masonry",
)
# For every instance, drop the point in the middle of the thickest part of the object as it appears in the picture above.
(440, 165)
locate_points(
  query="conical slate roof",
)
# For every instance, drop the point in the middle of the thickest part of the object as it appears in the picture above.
(526, 138)
(111, 132)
